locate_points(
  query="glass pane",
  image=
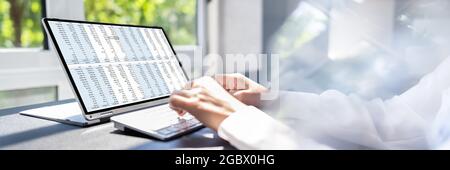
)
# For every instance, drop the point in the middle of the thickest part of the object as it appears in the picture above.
(22, 97)
(369, 47)
(20, 23)
(177, 17)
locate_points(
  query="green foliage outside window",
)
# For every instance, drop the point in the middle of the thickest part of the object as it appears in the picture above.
(177, 17)
(20, 23)
(21, 27)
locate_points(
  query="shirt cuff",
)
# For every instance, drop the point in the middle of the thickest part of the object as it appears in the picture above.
(239, 124)
(251, 128)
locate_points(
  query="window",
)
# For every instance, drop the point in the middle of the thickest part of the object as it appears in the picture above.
(372, 48)
(177, 17)
(14, 98)
(24, 67)
(20, 23)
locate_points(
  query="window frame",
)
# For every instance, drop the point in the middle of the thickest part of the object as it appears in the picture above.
(22, 68)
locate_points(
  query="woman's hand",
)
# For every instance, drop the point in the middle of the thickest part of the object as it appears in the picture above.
(242, 88)
(206, 100)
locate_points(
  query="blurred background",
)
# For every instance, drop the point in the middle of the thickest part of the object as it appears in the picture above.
(374, 48)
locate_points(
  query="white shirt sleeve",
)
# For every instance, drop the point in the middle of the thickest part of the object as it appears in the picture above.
(263, 132)
(397, 123)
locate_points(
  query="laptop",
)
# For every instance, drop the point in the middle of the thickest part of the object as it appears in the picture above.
(122, 73)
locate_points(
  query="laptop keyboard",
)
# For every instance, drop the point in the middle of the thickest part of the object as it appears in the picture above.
(181, 126)
(177, 124)
(159, 121)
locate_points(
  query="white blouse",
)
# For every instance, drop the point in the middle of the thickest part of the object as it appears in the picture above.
(415, 119)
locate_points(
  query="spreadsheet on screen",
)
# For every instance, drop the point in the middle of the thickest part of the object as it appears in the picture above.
(113, 65)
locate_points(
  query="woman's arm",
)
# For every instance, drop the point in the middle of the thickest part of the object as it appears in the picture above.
(398, 123)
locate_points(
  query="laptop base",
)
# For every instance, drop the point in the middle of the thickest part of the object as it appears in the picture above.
(68, 113)
(159, 122)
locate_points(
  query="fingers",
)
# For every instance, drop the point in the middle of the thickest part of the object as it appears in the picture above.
(180, 104)
(208, 98)
(191, 99)
(199, 83)
(226, 76)
(232, 81)
(221, 79)
(183, 100)
(190, 92)
(179, 111)
(189, 85)
(210, 84)
(203, 91)
(204, 104)
(186, 100)
(248, 97)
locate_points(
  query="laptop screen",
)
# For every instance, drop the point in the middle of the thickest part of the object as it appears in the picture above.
(114, 65)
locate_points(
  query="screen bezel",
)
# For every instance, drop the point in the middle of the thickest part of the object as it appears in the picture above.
(88, 114)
